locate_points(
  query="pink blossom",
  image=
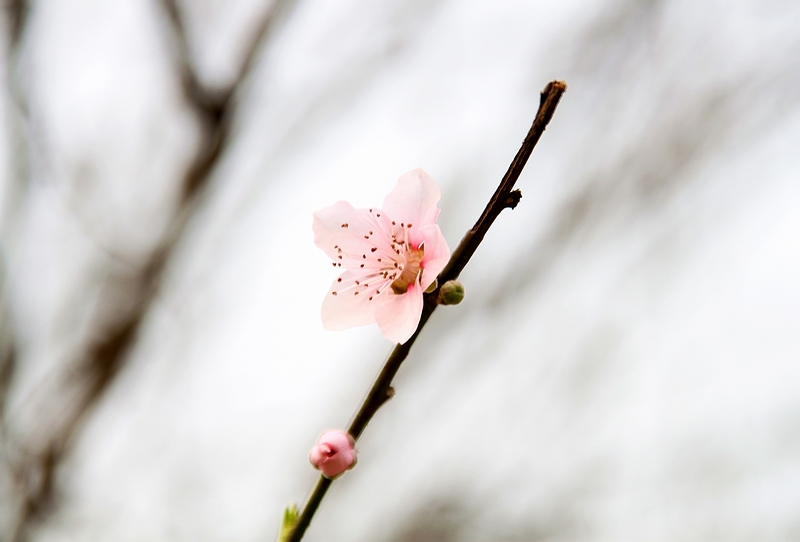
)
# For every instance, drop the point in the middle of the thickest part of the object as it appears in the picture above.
(334, 453)
(390, 256)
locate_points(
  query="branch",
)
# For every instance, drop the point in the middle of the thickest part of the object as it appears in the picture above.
(103, 358)
(17, 19)
(549, 101)
(504, 197)
(215, 105)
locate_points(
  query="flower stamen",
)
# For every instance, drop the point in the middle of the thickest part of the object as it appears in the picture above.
(410, 271)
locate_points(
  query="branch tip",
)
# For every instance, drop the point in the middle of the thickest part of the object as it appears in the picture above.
(558, 87)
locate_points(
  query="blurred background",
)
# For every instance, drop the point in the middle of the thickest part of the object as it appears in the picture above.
(626, 363)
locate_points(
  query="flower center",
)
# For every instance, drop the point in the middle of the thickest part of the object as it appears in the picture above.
(411, 270)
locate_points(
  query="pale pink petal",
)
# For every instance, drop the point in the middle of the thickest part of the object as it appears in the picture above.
(349, 235)
(413, 201)
(398, 317)
(337, 439)
(328, 226)
(319, 453)
(337, 464)
(345, 308)
(437, 253)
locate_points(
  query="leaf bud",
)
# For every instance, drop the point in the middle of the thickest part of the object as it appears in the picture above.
(451, 293)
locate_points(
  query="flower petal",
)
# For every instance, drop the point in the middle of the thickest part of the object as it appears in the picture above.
(329, 224)
(437, 253)
(338, 440)
(398, 316)
(350, 305)
(349, 235)
(413, 201)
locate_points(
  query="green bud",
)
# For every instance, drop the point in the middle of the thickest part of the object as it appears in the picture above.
(290, 516)
(451, 293)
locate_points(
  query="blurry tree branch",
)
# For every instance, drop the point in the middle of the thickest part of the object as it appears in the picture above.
(15, 13)
(7, 360)
(16, 17)
(214, 105)
(504, 197)
(100, 361)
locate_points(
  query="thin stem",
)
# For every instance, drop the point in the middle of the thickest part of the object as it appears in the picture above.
(503, 197)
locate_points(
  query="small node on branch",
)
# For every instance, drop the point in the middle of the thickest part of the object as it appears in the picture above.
(512, 200)
(385, 397)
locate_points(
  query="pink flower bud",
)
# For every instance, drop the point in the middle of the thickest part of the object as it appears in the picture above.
(334, 453)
